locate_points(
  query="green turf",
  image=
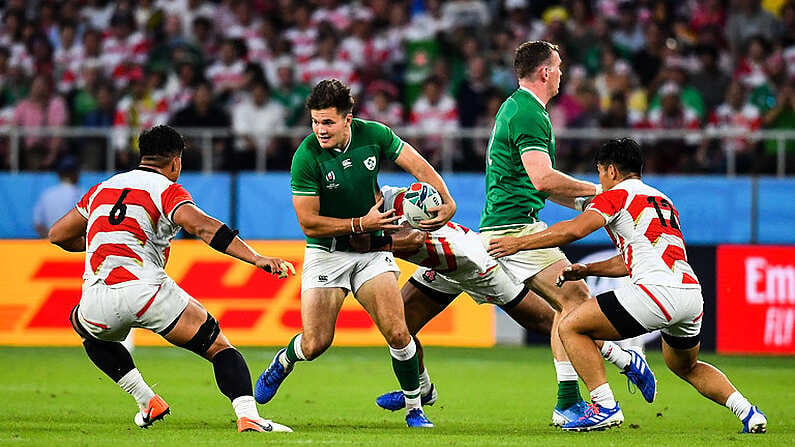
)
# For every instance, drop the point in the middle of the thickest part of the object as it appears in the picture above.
(502, 396)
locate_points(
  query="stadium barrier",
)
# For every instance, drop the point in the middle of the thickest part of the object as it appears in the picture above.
(714, 209)
(202, 139)
(42, 283)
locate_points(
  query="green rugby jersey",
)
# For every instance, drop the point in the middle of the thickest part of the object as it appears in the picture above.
(522, 125)
(346, 181)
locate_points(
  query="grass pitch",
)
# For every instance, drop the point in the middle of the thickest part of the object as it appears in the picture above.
(490, 397)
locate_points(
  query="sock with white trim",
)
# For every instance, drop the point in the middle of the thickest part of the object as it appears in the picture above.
(738, 404)
(615, 355)
(407, 370)
(603, 396)
(134, 384)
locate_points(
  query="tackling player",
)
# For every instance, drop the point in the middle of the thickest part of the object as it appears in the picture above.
(664, 294)
(125, 225)
(334, 178)
(520, 177)
(452, 261)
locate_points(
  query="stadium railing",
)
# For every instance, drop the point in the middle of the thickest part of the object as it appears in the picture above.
(204, 137)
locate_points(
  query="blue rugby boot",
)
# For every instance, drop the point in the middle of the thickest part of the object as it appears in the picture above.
(270, 379)
(639, 374)
(574, 412)
(597, 417)
(396, 400)
(416, 419)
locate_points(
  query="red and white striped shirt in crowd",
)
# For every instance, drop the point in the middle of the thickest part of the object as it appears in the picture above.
(392, 115)
(748, 118)
(339, 17)
(130, 227)
(226, 76)
(441, 116)
(134, 48)
(318, 69)
(645, 226)
(303, 42)
(365, 53)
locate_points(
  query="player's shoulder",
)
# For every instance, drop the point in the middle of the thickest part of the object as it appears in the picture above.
(308, 148)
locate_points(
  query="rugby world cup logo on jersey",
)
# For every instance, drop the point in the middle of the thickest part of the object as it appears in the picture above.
(330, 177)
(370, 162)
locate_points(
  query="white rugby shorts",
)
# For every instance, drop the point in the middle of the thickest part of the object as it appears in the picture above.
(675, 311)
(109, 313)
(492, 287)
(525, 264)
(344, 269)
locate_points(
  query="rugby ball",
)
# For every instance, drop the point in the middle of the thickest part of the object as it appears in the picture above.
(417, 200)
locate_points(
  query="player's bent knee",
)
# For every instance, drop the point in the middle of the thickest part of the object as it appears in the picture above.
(204, 338)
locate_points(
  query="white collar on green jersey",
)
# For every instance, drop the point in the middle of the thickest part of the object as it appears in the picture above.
(533, 95)
(350, 138)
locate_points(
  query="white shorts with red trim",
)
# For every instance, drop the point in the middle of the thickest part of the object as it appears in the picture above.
(492, 287)
(108, 313)
(675, 311)
(525, 264)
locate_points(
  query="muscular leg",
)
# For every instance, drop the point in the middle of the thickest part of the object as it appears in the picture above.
(419, 309)
(533, 313)
(708, 380)
(198, 331)
(381, 298)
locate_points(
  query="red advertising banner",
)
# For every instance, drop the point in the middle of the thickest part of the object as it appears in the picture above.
(756, 299)
(41, 284)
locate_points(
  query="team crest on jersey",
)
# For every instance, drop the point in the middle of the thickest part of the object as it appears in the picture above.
(429, 275)
(370, 162)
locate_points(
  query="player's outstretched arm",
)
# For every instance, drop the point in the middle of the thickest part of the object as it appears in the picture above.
(413, 163)
(307, 209)
(69, 232)
(561, 187)
(561, 233)
(612, 268)
(217, 235)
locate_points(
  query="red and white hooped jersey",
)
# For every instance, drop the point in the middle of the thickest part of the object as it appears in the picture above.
(453, 250)
(130, 227)
(644, 225)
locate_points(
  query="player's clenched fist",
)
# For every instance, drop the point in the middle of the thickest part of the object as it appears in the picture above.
(572, 272)
(278, 267)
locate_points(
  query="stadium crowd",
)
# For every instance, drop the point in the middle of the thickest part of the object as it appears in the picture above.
(429, 64)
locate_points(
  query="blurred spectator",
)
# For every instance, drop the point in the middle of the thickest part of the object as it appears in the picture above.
(750, 70)
(736, 113)
(41, 108)
(628, 36)
(471, 96)
(140, 109)
(465, 13)
(690, 96)
(203, 37)
(179, 86)
(328, 63)
(93, 150)
(617, 115)
(302, 35)
(57, 200)
(710, 80)
(331, 11)
(97, 13)
(203, 111)
(435, 111)
(381, 105)
(671, 155)
(746, 19)
(649, 59)
(290, 93)
(590, 113)
(780, 117)
(254, 121)
(226, 75)
(123, 46)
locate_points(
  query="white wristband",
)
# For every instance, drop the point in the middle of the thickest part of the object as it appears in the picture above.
(581, 202)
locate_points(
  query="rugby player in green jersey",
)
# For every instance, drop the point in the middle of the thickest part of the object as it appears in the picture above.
(334, 180)
(520, 177)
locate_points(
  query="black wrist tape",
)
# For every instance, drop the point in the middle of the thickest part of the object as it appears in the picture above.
(222, 238)
(381, 243)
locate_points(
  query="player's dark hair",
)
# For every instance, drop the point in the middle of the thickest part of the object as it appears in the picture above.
(331, 93)
(625, 154)
(531, 55)
(160, 144)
